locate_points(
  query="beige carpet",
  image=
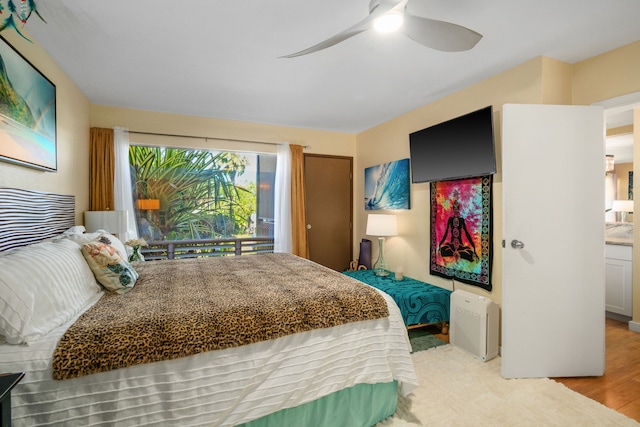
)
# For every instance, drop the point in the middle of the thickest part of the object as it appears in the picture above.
(457, 389)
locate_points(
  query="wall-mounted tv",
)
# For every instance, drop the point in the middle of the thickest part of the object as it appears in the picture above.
(458, 148)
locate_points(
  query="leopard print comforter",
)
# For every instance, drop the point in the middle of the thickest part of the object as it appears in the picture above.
(183, 307)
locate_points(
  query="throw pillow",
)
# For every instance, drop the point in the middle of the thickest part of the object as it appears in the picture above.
(110, 267)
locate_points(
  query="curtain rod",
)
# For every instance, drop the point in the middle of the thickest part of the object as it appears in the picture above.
(209, 137)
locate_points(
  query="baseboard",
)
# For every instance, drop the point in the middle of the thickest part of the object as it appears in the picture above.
(633, 326)
(618, 317)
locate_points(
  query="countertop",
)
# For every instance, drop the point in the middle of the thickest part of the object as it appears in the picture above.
(619, 233)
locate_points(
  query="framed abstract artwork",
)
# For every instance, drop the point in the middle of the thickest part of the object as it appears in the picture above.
(387, 186)
(461, 230)
(27, 113)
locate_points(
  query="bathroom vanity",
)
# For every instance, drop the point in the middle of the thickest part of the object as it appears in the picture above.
(618, 268)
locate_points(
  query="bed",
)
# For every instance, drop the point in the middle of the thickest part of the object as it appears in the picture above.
(347, 372)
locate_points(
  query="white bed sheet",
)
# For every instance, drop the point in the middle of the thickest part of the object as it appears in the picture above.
(219, 388)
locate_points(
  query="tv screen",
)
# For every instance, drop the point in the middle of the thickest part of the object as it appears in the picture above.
(459, 148)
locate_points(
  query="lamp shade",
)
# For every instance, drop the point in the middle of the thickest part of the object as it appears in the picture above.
(112, 221)
(622, 206)
(148, 204)
(382, 225)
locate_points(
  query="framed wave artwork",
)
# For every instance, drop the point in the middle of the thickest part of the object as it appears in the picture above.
(27, 113)
(387, 186)
(461, 230)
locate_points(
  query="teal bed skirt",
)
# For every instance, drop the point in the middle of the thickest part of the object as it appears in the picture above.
(362, 405)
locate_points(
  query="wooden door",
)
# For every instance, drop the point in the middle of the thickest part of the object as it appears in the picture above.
(329, 209)
(553, 257)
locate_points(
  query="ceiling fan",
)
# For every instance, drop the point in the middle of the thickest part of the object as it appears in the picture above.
(439, 35)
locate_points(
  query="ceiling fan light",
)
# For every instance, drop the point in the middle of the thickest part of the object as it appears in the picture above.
(388, 23)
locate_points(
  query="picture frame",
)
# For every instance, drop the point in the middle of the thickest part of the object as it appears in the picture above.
(461, 230)
(388, 186)
(28, 129)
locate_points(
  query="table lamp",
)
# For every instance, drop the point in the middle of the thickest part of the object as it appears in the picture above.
(381, 225)
(148, 204)
(623, 206)
(114, 222)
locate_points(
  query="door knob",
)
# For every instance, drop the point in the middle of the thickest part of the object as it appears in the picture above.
(308, 226)
(517, 244)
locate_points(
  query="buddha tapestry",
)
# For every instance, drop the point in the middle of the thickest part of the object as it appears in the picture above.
(461, 227)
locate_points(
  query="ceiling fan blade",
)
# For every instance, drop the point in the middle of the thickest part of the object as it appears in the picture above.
(364, 25)
(439, 35)
(340, 37)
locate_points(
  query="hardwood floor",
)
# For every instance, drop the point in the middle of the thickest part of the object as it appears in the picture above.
(619, 387)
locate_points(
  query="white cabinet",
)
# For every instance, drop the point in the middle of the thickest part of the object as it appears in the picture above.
(618, 267)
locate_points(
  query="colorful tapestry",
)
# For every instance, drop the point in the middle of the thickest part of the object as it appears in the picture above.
(461, 226)
(387, 186)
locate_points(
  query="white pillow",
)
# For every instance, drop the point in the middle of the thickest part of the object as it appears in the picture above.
(76, 229)
(42, 286)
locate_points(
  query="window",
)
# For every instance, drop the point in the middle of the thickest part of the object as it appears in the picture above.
(195, 194)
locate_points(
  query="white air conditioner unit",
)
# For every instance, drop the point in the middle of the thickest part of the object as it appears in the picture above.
(473, 324)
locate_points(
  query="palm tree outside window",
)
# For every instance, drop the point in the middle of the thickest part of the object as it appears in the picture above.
(194, 194)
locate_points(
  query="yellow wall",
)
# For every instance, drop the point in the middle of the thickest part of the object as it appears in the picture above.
(318, 142)
(390, 141)
(539, 81)
(636, 223)
(612, 74)
(556, 82)
(72, 112)
(622, 173)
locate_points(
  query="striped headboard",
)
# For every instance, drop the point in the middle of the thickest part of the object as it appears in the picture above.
(28, 216)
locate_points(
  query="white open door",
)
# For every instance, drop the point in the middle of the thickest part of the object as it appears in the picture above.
(553, 273)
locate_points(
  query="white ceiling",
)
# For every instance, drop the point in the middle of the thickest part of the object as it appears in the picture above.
(221, 58)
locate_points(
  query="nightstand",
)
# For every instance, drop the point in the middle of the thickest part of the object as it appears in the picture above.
(7, 383)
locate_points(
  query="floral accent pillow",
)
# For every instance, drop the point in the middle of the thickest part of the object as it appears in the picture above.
(109, 266)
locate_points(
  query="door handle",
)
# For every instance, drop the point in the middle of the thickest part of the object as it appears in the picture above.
(517, 244)
(308, 226)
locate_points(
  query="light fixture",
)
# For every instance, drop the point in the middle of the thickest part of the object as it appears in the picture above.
(609, 164)
(148, 204)
(388, 23)
(382, 226)
(623, 206)
(114, 222)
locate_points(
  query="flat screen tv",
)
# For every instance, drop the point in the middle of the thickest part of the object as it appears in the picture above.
(458, 148)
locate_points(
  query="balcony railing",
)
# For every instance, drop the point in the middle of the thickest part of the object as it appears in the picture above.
(171, 249)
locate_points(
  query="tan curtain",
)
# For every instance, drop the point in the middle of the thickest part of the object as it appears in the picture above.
(299, 245)
(101, 169)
